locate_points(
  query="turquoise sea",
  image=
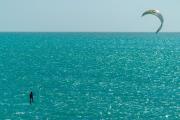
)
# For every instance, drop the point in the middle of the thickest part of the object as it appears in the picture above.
(90, 76)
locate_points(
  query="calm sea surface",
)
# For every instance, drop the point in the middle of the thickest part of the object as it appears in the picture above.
(90, 76)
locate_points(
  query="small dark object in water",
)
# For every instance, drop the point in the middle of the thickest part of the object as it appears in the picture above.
(31, 97)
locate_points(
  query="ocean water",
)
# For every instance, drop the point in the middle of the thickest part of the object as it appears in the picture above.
(90, 76)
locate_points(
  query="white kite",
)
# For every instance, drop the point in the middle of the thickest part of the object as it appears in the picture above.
(157, 14)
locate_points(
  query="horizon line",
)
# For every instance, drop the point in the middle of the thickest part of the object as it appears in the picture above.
(81, 32)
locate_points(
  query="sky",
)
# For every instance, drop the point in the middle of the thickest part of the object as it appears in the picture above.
(87, 15)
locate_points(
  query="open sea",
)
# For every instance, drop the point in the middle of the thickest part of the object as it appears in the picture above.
(90, 76)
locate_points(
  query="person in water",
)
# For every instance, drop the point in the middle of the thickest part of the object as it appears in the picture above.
(31, 97)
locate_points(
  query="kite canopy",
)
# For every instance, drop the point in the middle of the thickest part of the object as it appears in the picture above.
(157, 14)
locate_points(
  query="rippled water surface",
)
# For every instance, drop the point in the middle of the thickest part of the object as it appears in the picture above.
(90, 76)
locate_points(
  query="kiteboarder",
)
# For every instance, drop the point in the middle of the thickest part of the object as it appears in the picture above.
(31, 97)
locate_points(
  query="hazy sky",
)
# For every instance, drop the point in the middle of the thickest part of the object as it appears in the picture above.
(87, 15)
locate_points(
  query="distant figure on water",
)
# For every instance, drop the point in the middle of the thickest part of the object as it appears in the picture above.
(31, 97)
